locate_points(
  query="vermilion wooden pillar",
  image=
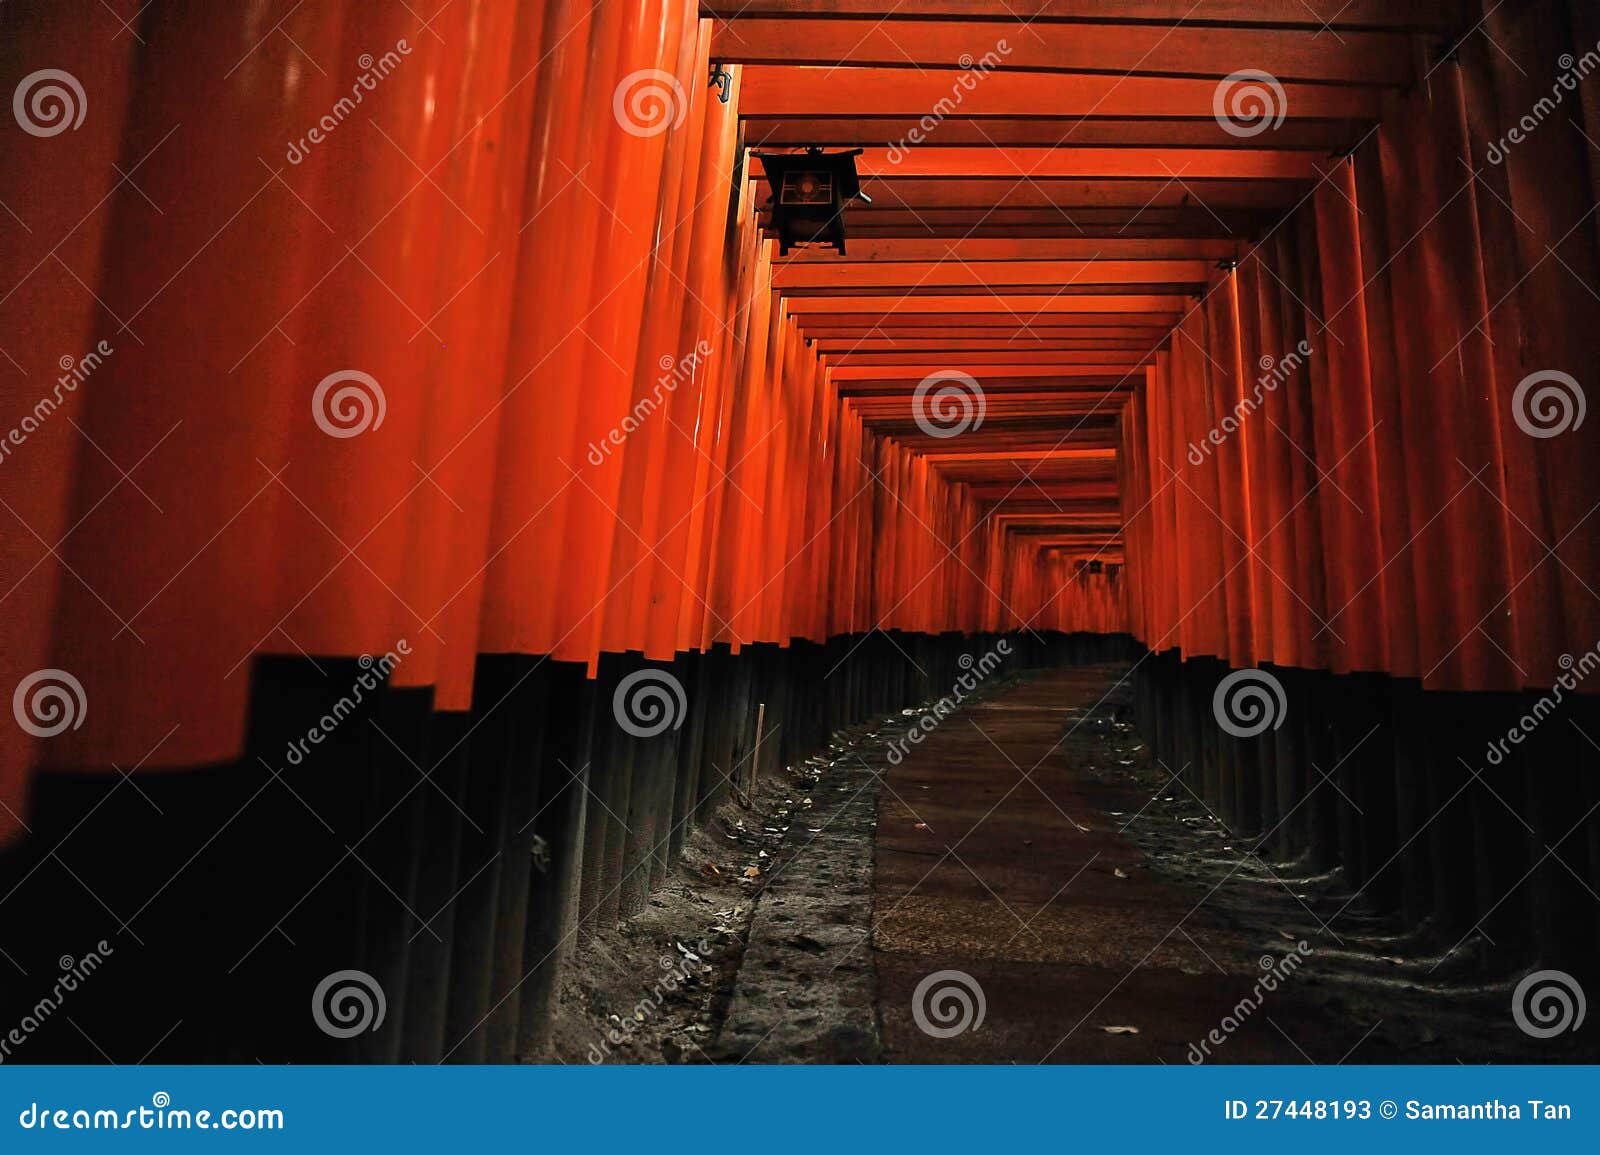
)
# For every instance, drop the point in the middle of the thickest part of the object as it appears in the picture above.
(630, 189)
(58, 191)
(183, 567)
(538, 421)
(482, 169)
(691, 471)
(1359, 605)
(659, 390)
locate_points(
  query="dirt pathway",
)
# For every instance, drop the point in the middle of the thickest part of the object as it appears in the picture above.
(1027, 885)
(994, 863)
(1032, 847)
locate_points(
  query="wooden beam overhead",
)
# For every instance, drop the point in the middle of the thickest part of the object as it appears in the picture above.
(887, 322)
(1180, 288)
(920, 364)
(973, 249)
(1070, 161)
(1020, 445)
(950, 273)
(1106, 548)
(1093, 484)
(919, 325)
(976, 339)
(1037, 394)
(1024, 515)
(788, 90)
(1080, 380)
(1092, 223)
(1092, 491)
(973, 225)
(1113, 364)
(1016, 347)
(1082, 466)
(1045, 416)
(1018, 306)
(1133, 197)
(1323, 136)
(1429, 15)
(1178, 50)
(1018, 405)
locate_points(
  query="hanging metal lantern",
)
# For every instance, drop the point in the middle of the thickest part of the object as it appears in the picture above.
(809, 192)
